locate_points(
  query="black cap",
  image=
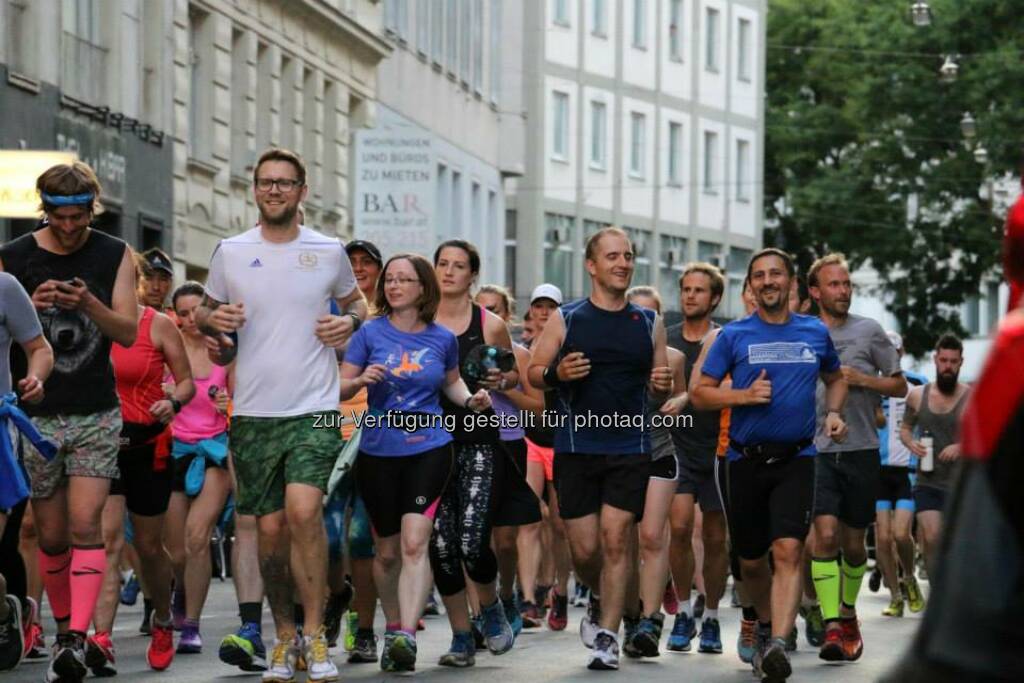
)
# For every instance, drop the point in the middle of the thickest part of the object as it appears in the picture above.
(369, 247)
(158, 260)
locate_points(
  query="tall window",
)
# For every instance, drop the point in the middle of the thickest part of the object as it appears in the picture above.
(200, 84)
(599, 18)
(743, 48)
(240, 93)
(310, 131)
(710, 161)
(456, 204)
(423, 26)
(478, 46)
(637, 125)
(711, 39)
(675, 30)
(742, 170)
(510, 250)
(289, 75)
(560, 12)
(558, 251)
(675, 154)
(598, 134)
(560, 126)
(332, 131)
(19, 53)
(83, 63)
(465, 42)
(640, 23)
(495, 51)
(671, 259)
(264, 68)
(452, 35)
(437, 31)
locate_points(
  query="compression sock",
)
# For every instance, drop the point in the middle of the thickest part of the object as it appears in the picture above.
(853, 576)
(251, 612)
(88, 564)
(826, 584)
(56, 573)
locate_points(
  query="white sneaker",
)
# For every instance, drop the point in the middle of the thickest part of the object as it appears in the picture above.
(319, 665)
(605, 655)
(281, 667)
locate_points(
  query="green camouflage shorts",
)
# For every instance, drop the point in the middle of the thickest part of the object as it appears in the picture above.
(87, 446)
(271, 452)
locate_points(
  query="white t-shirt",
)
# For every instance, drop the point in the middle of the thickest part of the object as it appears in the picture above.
(282, 369)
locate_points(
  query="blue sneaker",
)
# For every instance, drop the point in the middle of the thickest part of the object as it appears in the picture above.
(403, 652)
(497, 631)
(648, 635)
(386, 663)
(630, 629)
(513, 615)
(462, 653)
(244, 648)
(710, 637)
(683, 631)
(130, 591)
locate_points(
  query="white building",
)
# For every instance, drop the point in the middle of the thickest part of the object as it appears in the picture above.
(648, 115)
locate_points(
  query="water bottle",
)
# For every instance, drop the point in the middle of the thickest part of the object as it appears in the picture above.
(928, 461)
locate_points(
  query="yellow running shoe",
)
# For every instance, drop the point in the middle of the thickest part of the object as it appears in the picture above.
(895, 608)
(915, 599)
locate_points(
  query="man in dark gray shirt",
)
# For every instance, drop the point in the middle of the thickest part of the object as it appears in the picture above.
(847, 473)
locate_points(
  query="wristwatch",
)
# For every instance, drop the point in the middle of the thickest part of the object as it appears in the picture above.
(356, 321)
(468, 400)
(175, 405)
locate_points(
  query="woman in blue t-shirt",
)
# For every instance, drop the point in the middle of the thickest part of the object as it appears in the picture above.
(405, 453)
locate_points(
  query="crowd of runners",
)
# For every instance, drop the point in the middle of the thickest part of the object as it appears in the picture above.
(373, 431)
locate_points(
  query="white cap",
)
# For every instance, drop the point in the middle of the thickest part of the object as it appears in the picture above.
(546, 291)
(895, 338)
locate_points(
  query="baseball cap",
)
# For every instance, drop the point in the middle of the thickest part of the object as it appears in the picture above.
(369, 247)
(895, 338)
(547, 291)
(158, 260)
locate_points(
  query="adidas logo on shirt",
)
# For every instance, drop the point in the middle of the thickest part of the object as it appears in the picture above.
(256, 263)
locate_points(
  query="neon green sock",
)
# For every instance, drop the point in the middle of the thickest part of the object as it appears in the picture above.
(826, 584)
(852, 578)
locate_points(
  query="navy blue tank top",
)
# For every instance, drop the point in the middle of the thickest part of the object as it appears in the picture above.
(605, 412)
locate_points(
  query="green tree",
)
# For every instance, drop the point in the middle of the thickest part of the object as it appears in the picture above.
(864, 152)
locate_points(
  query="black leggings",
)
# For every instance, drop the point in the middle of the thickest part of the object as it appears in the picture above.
(11, 565)
(462, 528)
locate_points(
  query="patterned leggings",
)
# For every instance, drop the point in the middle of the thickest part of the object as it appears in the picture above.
(462, 528)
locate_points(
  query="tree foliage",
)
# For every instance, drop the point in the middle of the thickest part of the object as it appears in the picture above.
(864, 152)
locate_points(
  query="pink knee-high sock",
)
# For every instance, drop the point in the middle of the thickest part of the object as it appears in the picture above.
(88, 564)
(56, 571)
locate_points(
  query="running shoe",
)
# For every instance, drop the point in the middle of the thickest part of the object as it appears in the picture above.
(351, 628)
(512, 615)
(683, 631)
(320, 666)
(431, 610)
(178, 609)
(531, 616)
(403, 652)
(244, 648)
(710, 637)
(853, 644)
(130, 590)
(698, 606)
(747, 641)
(591, 621)
(895, 608)
(630, 628)
(791, 639)
(67, 659)
(35, 643)
(915, 599)
(364, 648)
(832, 649)
(190, 642)
(648, 635)
(281, 667)
(462, 652)
(99, 655)
(772, 663)
(558, 615)
(497, 631)
(160, 652)
(12, 635)
(605, 654)
(669, 599)
(581, 595)
(814, 625)
(875, 580)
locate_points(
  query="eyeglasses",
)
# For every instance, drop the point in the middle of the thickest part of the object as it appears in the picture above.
(403, 281)
(283, 184)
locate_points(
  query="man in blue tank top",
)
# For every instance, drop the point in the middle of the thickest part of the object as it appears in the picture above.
(601, 354)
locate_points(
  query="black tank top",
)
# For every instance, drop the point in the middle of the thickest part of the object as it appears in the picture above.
(695, 444)
(468, 340)
(82, 381)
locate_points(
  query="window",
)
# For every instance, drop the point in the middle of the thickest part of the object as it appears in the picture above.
(240, 93)
(510, 250)
(456, 205)
(264, 67)
(637, 124)
(19, 51)
(475, 229)
(152, 104)
(437, 31)
(709, 252)
(710, 162)
(675, 30)
(443, 197)
(641, 240)
(495, 50)
(478, 46)
(83, 63)
(598, 134)
(736, 270)
(465, 42)
(992, 306)
(558, 241)
(675, 154)
(599, 18)
(743, 48)
(289, 75)
(711, 40)
(310, 116)
(560, 12)
(452, 35)
(560, 126)
(333, 130)
(671, 260)
(640, 24)
(200, 82)
(423, 27)
(742, 171)
(396, 18)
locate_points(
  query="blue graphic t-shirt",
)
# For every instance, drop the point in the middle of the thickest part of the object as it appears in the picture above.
(417, 364)
(793, 354)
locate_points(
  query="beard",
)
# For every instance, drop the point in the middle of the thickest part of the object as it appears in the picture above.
(287, 214)
(946, 382)
(699, 314)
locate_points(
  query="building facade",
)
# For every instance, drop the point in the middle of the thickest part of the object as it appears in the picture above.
(91, 78)
(250, 74)
(647, 115)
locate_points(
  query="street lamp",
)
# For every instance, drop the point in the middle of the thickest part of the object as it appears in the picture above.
(949, 70)
(981, 155)
(921, 13)
(968, 126)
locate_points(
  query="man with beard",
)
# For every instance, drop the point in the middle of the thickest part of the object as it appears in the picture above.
(271, 287)
(935, 415)
(767, 482)
(701, 287)
(848, 473)
(601, 353)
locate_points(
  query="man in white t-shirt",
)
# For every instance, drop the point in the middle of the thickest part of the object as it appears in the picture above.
(267, 304)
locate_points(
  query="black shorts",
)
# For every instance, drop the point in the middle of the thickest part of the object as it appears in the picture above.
(518, 504)
(665, 469)
(700, 484)
(846, 486)
(765, 502)
(395, 486)
(586, 481)
(894, 491)
(181, 466)
(146, 490)
(929, 498)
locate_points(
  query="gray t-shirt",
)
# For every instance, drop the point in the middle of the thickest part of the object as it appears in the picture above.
(862, 345)
(18, 321)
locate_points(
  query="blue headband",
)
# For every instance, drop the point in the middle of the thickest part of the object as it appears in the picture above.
(67, 200)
